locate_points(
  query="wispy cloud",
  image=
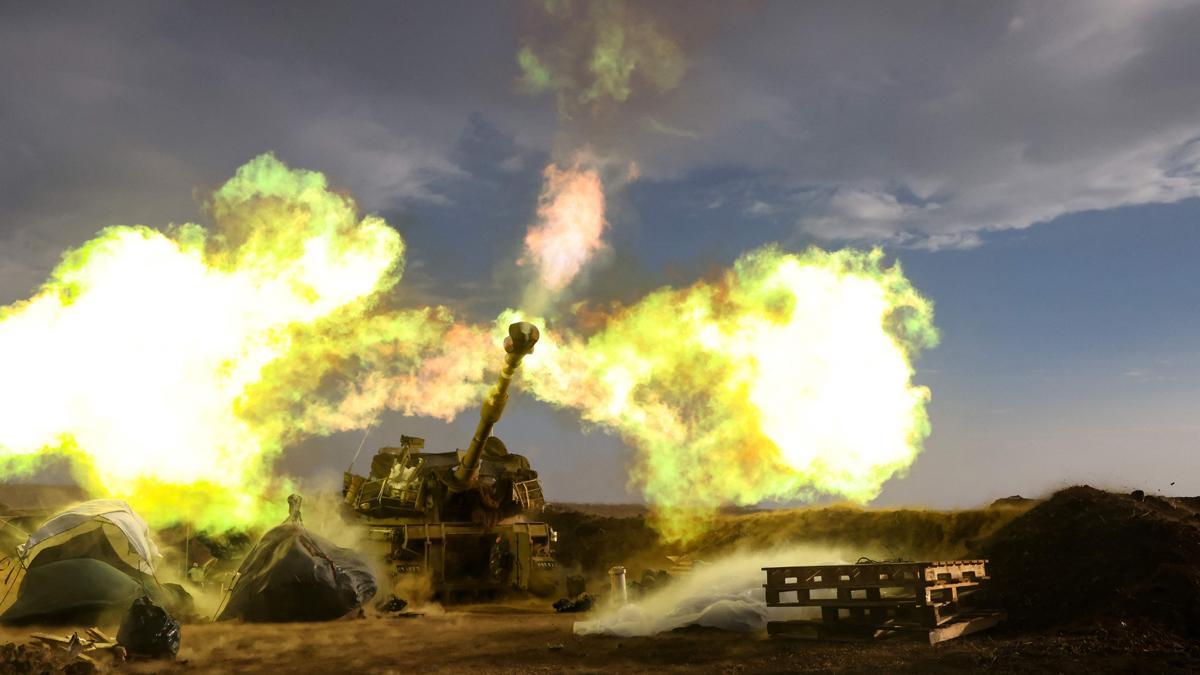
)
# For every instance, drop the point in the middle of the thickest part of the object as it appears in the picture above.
(925, 127)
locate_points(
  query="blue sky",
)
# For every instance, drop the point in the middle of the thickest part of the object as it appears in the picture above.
(1035, 168)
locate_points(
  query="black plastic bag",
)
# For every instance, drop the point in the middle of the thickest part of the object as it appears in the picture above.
(148, 631)
(580, 603)
(393, 605)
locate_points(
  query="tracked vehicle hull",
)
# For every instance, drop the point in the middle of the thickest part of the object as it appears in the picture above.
(462, 524)
(465, 562)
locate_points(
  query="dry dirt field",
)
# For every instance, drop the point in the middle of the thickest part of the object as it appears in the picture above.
(505, 640)
(1092, 582)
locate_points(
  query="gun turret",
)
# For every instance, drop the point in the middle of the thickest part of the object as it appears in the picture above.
(522, 336)
(465, 521)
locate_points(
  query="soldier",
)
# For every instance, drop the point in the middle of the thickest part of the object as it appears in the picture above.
(196, 574)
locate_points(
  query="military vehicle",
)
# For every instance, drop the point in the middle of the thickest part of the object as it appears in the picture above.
(463, 522)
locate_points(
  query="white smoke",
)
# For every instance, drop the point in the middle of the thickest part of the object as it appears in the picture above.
(726, 594)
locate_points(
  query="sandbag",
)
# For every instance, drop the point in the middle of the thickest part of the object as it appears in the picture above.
(293, 574)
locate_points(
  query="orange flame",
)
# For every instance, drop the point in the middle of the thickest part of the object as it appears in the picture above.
(570, 225)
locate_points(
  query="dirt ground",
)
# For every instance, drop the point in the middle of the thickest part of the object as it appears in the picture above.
(507, 640)
(1132, 557)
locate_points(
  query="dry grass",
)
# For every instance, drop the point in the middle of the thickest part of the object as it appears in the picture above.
(592, 539)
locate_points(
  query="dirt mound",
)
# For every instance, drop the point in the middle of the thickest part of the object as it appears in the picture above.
(1090, 555)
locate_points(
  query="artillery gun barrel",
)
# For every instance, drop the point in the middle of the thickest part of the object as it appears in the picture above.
(522, 336)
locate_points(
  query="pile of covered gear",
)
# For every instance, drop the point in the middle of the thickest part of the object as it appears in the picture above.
(94, 564)
(86, 565)
(293, 574)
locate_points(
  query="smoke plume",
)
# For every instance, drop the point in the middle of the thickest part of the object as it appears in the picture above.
(593, 55)
(789, 377)
(173, 366)
(569, 230)
(726, 593)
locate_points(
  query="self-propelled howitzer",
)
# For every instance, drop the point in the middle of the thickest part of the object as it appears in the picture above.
(521, 339)
(465, 522)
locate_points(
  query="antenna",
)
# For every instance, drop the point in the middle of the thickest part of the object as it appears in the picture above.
(361, 443)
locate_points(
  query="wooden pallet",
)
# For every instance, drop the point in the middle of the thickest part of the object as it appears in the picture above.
(870, 600)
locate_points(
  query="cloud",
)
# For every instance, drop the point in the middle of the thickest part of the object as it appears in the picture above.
(928, 125)
(670, 131)
(918, 125)
(595, 53)
(118, 115)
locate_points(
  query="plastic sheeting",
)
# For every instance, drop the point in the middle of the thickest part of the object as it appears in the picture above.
(740, 613)
(293, 574)
(86, 559)
(126, 531)
(726, 594)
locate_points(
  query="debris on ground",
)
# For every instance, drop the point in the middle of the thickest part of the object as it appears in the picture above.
(651, 581)
(94, 639)
(68, 653)
(393, 605)
(39, 658)
(394, 609)
(580, 603)
(148, 631)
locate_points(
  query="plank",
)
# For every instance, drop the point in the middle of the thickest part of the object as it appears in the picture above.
(963, 627)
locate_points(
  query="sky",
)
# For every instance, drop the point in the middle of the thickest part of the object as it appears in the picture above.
(1034, 167)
